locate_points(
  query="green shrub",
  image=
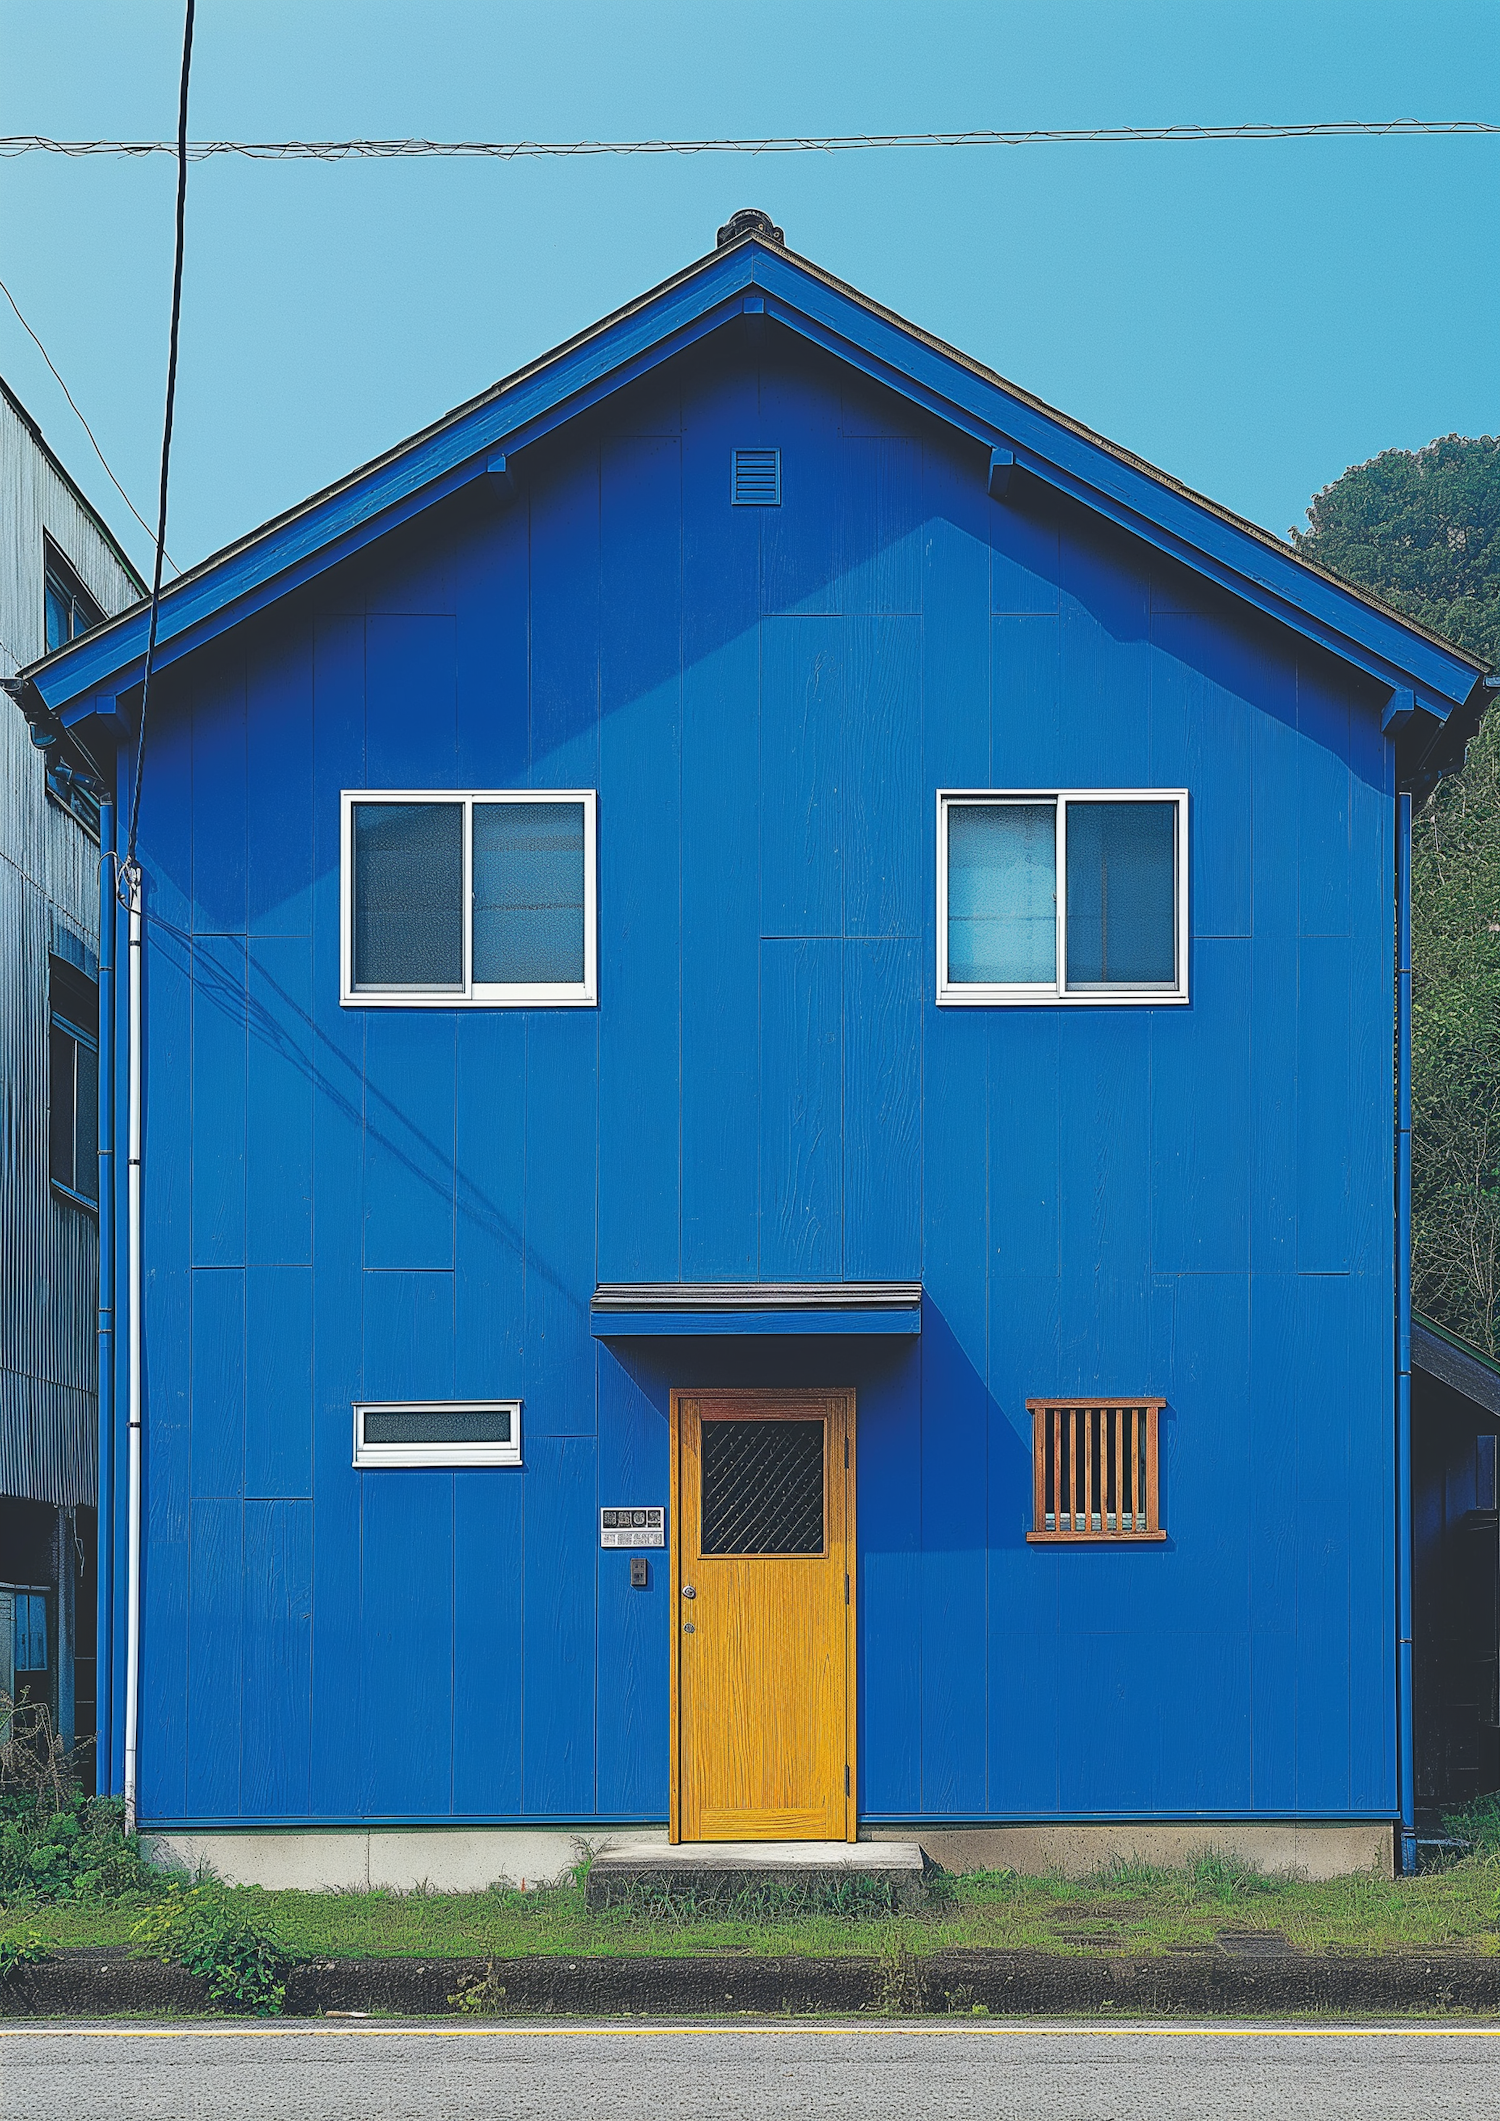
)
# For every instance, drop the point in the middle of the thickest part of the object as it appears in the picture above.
(223, 1936)
(79, 1852)
(19, 1948)
(55, 1843)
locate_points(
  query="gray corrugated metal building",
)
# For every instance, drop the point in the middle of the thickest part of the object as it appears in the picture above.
(60, 571)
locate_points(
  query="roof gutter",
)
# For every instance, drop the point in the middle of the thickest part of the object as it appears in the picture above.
(51, 734)
(1431, 749)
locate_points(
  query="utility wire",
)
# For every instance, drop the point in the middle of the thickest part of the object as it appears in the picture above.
(166, 434)
(790, 144)
(83, 423)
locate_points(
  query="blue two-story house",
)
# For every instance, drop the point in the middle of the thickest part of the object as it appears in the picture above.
(773, 1133)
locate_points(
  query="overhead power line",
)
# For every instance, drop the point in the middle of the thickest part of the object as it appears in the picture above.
(789, 144)
(83, 423)
(166, 437)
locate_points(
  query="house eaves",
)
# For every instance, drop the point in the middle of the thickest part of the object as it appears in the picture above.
(1435, 691)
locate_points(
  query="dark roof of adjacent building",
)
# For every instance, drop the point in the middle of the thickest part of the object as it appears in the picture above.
(1455, 1362)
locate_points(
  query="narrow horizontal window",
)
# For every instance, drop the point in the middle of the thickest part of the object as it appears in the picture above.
(483, 898)
(1062, 896)
(1094, 1469)
(467, 1432)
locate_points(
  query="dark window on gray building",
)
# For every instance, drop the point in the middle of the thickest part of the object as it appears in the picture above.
(73, 1036)
(70, 608)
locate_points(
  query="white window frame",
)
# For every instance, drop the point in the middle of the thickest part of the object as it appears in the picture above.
(1055, 993)
(369, 1455)
(548, 994)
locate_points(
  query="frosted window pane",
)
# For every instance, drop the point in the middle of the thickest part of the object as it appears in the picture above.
(1122, 929)
(437, 1425)
(528, 893)
(408, 895)
(1002, 893)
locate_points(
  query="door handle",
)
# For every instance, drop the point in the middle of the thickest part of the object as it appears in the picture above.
(688, 1591)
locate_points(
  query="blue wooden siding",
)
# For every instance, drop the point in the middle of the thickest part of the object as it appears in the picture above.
(1190, 1202)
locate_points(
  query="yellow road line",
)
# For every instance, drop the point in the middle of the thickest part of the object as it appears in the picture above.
(320, 2029)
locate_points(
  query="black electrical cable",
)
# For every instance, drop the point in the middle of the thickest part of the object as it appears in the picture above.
(786, 144)
(83, 423)
(166, 432)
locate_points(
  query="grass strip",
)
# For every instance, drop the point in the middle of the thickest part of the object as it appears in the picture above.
(1128, 1908)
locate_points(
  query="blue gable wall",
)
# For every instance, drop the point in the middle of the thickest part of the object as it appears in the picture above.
(1191, 1202)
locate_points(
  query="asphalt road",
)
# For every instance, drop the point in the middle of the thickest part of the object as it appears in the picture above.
(987, 2071)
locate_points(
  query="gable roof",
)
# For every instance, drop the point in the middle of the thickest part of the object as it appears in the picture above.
(1436, 690)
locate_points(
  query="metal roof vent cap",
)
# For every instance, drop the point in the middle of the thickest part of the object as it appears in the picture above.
(750, 221)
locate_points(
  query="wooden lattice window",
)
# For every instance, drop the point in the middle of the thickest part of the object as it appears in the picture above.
(1094, 1469)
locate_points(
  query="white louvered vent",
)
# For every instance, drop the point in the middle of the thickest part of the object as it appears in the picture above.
(757, 478)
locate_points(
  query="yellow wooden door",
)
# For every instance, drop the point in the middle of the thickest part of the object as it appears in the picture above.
(763, 1663)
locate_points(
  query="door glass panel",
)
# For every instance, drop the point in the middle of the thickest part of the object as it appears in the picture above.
(762, 1487)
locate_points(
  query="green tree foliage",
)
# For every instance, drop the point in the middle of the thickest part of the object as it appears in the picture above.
(1422, 530)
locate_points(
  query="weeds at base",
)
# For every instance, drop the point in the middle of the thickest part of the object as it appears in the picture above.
(209, 1931)
(681, 1903)
(483, 1997)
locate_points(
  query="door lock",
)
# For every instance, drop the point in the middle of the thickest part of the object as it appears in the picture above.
(688, 1628)
(688, 1591)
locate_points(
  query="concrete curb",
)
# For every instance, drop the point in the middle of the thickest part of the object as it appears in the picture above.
(1214, 1982)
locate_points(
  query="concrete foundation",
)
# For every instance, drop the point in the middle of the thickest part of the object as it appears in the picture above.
(1310, 1850)
(395, 1859)
(470, 1859)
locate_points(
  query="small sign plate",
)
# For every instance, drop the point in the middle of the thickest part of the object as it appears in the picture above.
(643, 1527)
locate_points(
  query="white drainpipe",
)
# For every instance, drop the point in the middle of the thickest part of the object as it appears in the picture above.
(131, 874)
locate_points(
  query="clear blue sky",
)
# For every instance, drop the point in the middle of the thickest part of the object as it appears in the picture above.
(1253, 317)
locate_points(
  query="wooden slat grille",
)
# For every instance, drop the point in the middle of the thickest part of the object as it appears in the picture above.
(1094, 1469)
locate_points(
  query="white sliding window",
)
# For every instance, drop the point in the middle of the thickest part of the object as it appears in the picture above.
(1062, 895)
(482, 898)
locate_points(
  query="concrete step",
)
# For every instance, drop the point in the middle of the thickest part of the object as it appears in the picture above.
(789, 1876)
